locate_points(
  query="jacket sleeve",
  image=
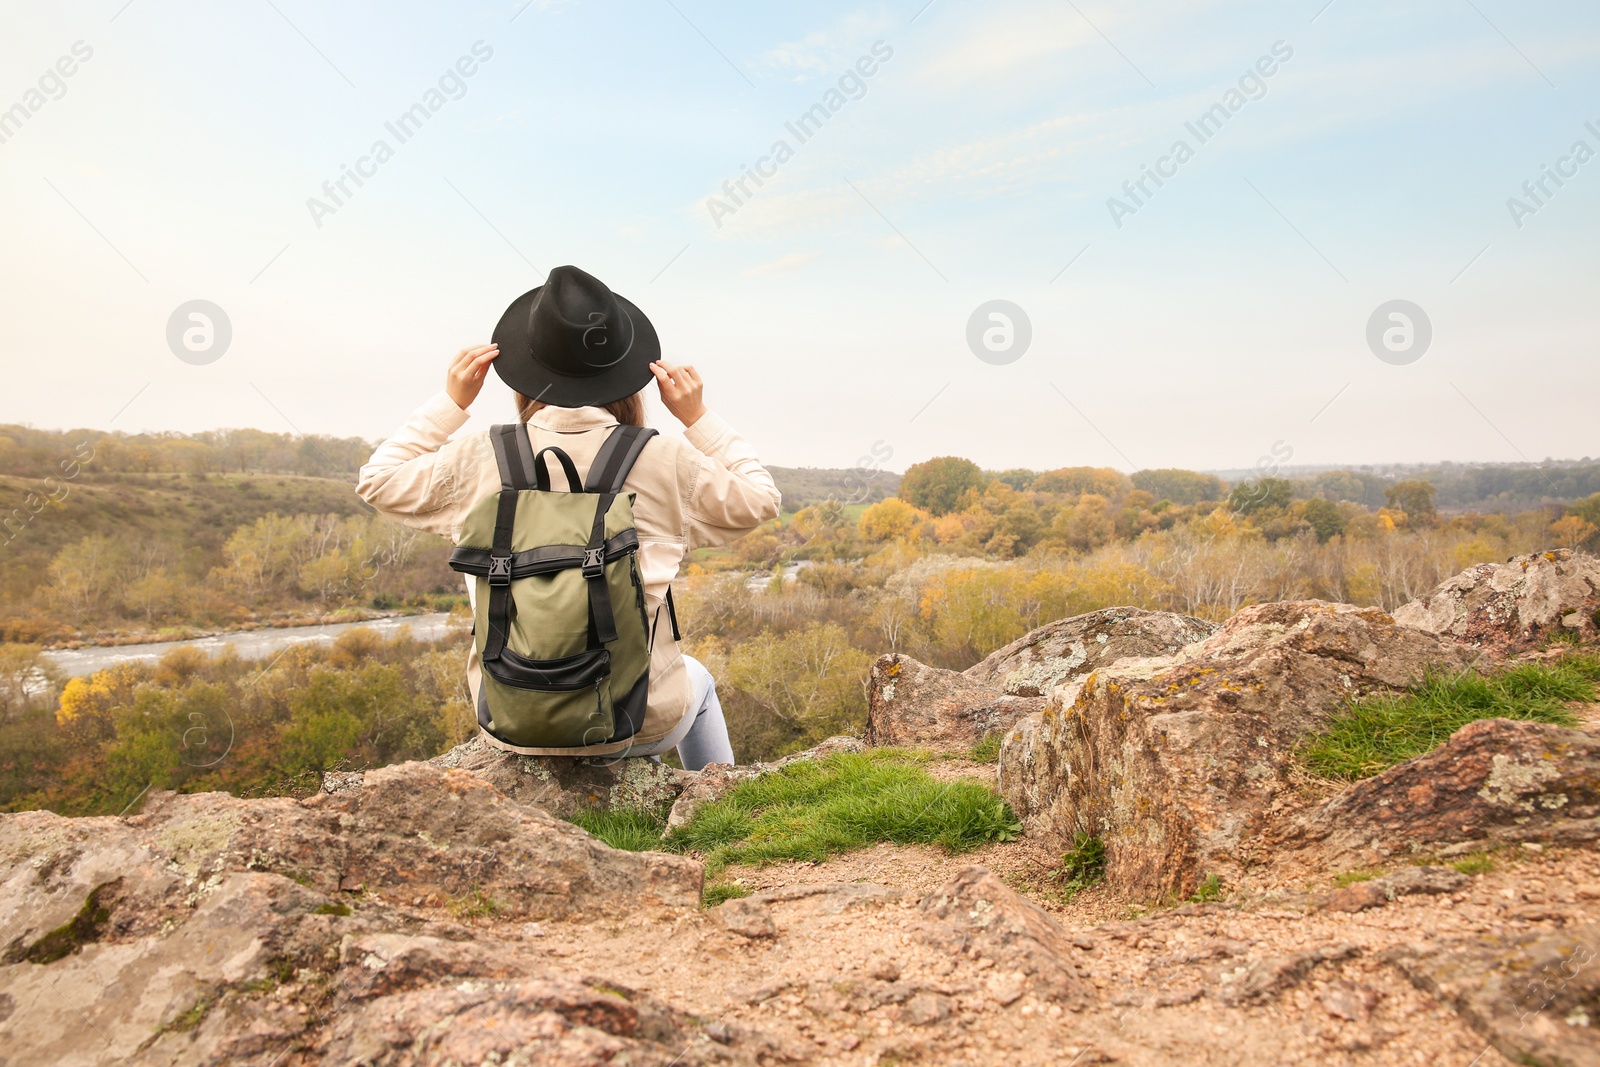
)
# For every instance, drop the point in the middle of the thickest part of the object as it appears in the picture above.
(730, 492)
(412, 477)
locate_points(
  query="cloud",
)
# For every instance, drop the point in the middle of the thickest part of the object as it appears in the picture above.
(782, 265)
(824, 53)
(1000, 47)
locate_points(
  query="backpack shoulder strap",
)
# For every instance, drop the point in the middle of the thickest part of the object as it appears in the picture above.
(616, 457)
(510, 443)
(513, 454)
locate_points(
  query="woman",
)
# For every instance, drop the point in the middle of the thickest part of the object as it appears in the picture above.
(579, 357)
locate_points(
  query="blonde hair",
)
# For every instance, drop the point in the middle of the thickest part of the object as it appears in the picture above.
(629, 410)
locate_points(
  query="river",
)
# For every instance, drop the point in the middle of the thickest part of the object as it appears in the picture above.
(249, 644)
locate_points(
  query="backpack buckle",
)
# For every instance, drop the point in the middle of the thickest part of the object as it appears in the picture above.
(594, 562)
(499, 570)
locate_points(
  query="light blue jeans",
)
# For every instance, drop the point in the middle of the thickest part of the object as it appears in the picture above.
(702, 736)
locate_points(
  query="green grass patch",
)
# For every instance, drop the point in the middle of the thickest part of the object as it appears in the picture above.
(1359, 874)
(987, 750)
(474, 905)
(188, 1020)
(1476, 863)
(1210, 889)
(630, 829)
(332, 908)
(718, 892)
(1376, 733)
(818, 808)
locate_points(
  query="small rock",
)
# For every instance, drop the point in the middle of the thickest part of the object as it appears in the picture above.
(1004, 989)
(925, 1009)
(761, 994)
(1351, 1002)
(1435, 881)
(748, 918)
(1181, 997)
(881, 993)
(1269, 977)
(978, 915)
(850, 1042)
(885, 970)
(1358, 896)
(1407, 881)
(718, 1033)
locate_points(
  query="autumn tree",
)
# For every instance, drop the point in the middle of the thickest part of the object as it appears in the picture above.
(1415, 498)
(1324, 517)
(1248, 498)
(1180, 486)
(936, 486)
(1075, 481)
(1573, 531)
(891, 520)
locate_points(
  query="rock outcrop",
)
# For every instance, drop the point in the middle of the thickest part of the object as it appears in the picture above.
(911, 703)
(427, 918)
(1067, 650)
(1511, 607)
(562, 785)
(1533, 997)
(1179, 763)
(1494, 782)
(977, 914)
(169, 929)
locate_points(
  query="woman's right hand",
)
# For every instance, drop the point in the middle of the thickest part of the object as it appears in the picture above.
(681, 391)
(464, 381)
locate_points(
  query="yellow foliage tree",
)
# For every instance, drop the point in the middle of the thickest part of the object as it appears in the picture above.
(1573, 530)
(893, 520)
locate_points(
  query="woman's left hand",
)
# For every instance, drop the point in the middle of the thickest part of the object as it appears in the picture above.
(467, 371)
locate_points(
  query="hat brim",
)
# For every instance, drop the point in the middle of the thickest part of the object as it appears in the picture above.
(518, 369)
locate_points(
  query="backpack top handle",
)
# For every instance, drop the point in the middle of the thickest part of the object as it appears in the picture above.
(541, 470)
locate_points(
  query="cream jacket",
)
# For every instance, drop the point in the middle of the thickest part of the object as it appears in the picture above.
(702, 491)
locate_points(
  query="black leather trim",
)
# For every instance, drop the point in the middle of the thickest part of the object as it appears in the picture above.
(581, 671)
(629, 711)
(546, 559)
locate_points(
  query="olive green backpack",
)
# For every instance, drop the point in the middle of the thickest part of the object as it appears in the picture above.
(560, 625)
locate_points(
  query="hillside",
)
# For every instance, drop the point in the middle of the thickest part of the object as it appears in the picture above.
(195, 513)
(803, 487)
(1504, 487)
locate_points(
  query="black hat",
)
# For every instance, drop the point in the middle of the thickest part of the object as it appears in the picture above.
(574, 343)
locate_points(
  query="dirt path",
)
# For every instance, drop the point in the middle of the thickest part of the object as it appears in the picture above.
(1163, 982)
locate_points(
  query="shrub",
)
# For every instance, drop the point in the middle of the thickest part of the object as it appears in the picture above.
(1083, 865)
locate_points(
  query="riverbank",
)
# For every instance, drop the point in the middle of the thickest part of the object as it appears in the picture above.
(180, 634)
(255, 643)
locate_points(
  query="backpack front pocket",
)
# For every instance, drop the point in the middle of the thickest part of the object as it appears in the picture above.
(565, 702)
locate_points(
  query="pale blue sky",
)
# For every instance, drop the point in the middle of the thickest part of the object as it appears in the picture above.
(829, 312)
